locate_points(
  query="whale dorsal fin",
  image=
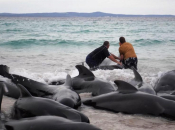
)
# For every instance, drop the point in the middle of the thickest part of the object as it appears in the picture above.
(124, 87)
(137, 81)
(68, 81)
(84, 72)
(23, 91)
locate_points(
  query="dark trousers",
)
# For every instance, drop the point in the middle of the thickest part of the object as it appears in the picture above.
(130, 62)
(91, 63)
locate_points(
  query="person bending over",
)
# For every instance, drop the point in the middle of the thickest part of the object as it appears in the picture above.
(95, 58)
(127, 54)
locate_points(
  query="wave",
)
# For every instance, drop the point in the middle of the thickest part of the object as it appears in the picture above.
(13, 30)
(148, 42)
(8, 24)
(25, 43)
(173, 41)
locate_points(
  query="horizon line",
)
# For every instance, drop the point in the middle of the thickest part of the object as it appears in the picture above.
(88, 13)
(84, 12)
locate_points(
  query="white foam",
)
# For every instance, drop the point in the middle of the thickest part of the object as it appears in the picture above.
(101, 118)
(109, 75)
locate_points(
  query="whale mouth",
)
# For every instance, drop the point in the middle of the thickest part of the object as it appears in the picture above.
(68, 102)
(89, 103)
(8, 127)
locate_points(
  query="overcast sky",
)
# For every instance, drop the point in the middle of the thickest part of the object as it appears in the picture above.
(108, 6)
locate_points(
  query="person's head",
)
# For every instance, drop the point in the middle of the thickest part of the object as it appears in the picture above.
(106, 43)
(122, 40)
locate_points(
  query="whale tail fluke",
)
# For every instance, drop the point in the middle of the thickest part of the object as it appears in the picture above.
(137, 81)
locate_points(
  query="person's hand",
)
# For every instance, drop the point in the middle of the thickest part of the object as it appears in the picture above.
(120, 63)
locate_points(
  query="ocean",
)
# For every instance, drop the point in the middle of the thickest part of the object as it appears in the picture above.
(46, 49)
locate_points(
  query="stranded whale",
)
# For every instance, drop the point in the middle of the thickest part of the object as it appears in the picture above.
(47, 123)
(63, 93)
(107, 64)
(41, 122)
(87, 82)
(166, 83)
(29, 106)
(130, 100)
(13, 90)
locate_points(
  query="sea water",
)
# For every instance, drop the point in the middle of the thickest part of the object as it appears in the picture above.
(47, 49)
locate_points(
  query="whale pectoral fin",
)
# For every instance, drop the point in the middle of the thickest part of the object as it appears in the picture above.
(84, 72)
(3, 88)
(68, 81)
(124, 87)
(1, 93)
(137, 81)
(23, 91)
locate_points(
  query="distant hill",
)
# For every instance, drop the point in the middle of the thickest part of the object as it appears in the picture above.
(75, 14)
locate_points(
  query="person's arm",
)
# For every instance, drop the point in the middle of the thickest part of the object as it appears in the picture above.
(121, 57)
(115, 56)
(114, 60)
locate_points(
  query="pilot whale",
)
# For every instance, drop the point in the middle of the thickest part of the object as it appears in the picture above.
(62, 93)
(107, 64)
(30, 106)
(166, 83)
(47, 123)
(41, 122)
(13, 90)
(128, 99)
(87, 82)
(107, 67)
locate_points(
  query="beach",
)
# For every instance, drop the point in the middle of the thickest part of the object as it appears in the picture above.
(47, 49)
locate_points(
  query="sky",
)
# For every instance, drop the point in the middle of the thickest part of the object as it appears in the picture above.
(143, 7)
